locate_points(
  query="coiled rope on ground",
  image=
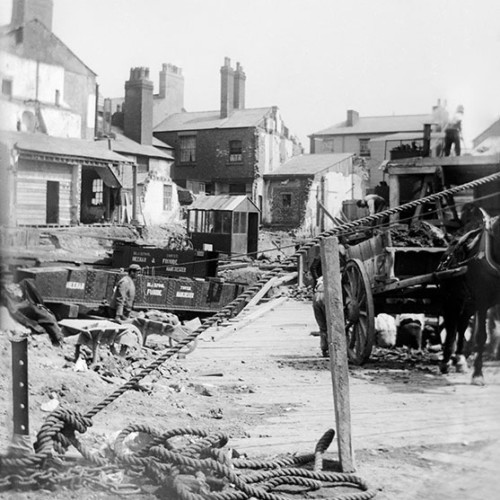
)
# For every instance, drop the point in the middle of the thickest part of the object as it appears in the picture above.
(187, 464)
(57, 433)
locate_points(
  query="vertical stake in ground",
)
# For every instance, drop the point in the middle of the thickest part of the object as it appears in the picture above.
(20, 443)
(338, 350)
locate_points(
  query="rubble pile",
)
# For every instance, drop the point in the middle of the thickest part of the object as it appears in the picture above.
(420, 234)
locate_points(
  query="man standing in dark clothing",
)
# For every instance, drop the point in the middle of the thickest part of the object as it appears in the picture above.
(453, 131)
(319, 307)
(124, 295)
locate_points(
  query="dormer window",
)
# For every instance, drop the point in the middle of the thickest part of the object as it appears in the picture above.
(235, 152)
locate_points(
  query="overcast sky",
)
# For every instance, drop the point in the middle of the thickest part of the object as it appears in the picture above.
(314, 59)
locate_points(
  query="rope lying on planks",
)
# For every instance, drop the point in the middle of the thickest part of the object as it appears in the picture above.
(53, 426)
(188, 464)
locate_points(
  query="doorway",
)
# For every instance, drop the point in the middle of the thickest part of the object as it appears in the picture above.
(52, 203)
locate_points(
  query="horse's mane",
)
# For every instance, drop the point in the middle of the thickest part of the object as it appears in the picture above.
(467, 242)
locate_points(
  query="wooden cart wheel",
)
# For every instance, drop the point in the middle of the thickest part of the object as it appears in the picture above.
(359, 312)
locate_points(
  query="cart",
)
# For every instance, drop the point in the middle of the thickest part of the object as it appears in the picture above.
(380, 277)
(96, 332)
(123, 338)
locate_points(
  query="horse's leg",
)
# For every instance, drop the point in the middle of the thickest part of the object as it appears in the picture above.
(477, 375)
(450, 324)
(460, 362)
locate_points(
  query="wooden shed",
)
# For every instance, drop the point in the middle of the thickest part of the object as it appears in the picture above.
(224, 223)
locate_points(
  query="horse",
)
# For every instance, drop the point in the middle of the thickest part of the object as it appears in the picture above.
(474, 290)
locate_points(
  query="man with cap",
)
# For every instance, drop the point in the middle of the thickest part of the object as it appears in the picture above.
(124, 295)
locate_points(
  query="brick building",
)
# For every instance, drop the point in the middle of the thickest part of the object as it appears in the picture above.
(148, 190)
(307, 192)
(168, 100)
(227, 151)
(355, 133)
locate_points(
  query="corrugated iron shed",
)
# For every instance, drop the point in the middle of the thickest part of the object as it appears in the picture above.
(231, 203)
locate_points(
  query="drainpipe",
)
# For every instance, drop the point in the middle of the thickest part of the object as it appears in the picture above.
(134, 193)
(96, 117)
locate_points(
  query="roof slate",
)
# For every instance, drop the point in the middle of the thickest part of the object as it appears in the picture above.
(64, 146)
(204, 120)
(378, 125)
(310, 164)
(125, 145)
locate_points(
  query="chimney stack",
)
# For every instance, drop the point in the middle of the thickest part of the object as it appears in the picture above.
(239, 87)
(138, 112)
(226, 89)
(352, 117)
(24, 11)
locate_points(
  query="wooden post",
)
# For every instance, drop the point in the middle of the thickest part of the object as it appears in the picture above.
(394, 200)
(338, 350)
(300, 269)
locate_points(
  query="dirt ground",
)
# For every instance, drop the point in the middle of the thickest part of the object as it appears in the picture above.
(187, 392)
(184, 392)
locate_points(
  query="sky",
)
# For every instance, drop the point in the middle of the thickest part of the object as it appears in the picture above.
(314, 59)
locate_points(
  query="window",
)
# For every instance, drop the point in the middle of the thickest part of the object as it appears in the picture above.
(237, 189)
(286, 200)
(364, 149)
(7, 87)
(196, 187)
(167, 197)
(240, 222)
(235, 151)
(188, 149)
(97, 192)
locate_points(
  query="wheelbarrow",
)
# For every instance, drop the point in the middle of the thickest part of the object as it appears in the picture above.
(96, 332)
(169, 327)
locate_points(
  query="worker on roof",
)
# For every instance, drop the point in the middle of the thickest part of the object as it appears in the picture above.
(453, 132)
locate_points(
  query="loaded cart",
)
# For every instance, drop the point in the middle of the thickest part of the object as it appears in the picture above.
(393, 268)
(379, 276)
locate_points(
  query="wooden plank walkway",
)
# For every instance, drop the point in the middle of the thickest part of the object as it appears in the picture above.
(403, 409)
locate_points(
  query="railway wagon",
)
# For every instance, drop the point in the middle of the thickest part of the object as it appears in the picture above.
(72, 291)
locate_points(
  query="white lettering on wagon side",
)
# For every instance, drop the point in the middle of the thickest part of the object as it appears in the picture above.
(75, 285)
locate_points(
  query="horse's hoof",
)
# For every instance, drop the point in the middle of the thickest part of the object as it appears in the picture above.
(461, 365)
(444, 367)
(478, 380)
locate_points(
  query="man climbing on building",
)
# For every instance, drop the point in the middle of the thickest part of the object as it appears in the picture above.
(124, 295)
(453, 132)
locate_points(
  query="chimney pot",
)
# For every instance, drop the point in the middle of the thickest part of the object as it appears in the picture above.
(226, 89)
(239, 87)
(352, 117)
